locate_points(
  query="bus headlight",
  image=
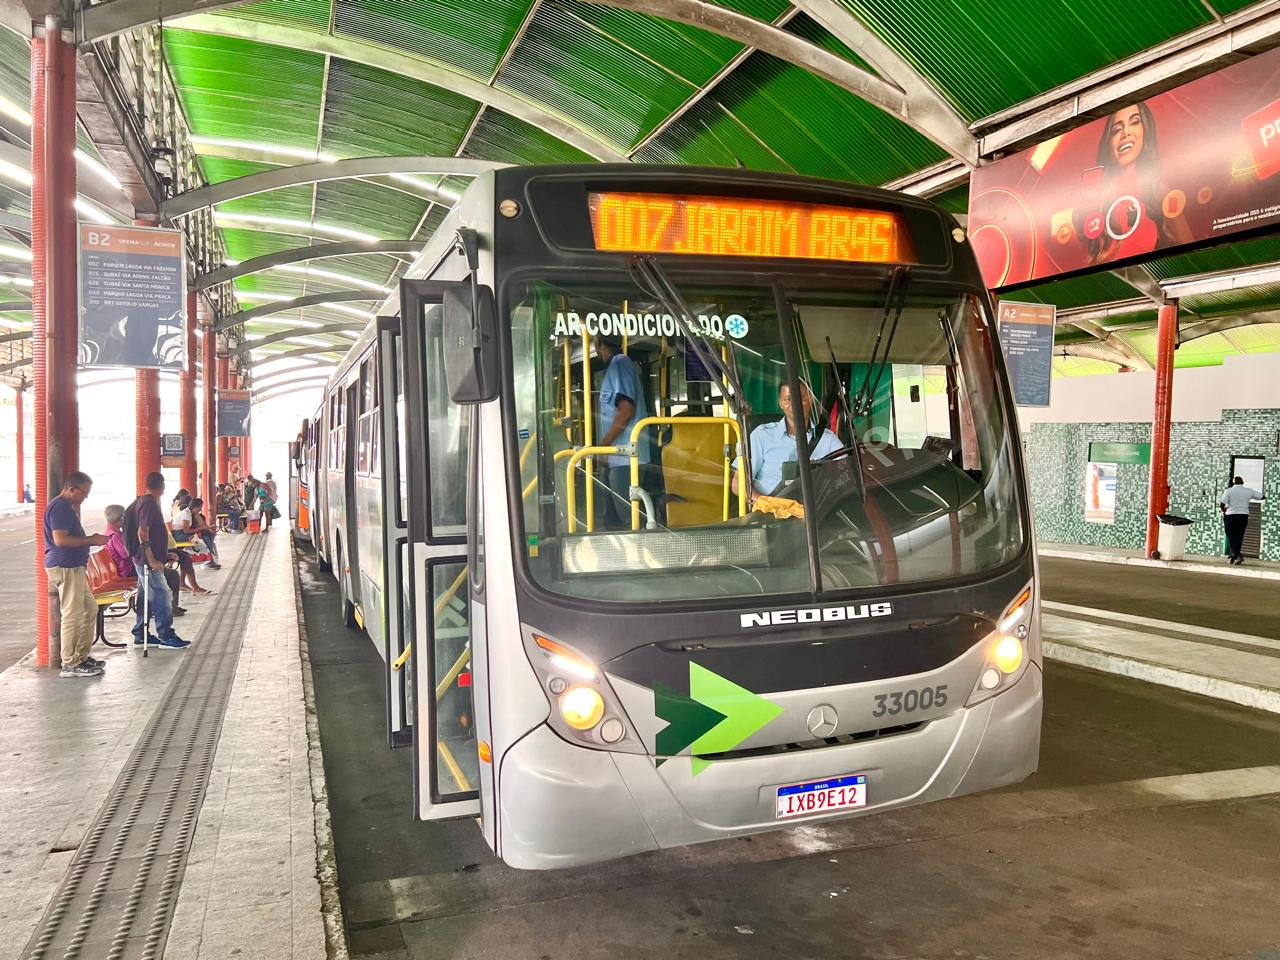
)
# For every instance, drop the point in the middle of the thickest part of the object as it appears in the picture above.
(584, 708)
(1007, 649)
(581, 707)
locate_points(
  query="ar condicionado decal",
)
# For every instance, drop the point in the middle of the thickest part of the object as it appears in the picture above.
(783, 618)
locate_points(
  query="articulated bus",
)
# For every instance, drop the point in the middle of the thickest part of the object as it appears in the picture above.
(684, 504)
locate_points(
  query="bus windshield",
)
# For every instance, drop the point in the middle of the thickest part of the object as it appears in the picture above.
(646, 476)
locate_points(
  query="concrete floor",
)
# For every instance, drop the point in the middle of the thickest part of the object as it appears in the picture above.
(17, 563)
(1149, 831)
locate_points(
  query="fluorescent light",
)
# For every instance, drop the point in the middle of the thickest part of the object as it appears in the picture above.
(265, 297)
(312, 324)
(420, 184)
(95, 166)
(354, 311)
(12, 281)
(15, 173)
(14, 324)
(13, 252)
(11, 109)
(307, 227)
(314, 342)
(231, 263)
(92, 212)
(353, 334)
(279, 149)
(333, 275)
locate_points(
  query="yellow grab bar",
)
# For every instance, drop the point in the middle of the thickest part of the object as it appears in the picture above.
(728, 423)
(445, 598)
(574, 457)
(588, 428)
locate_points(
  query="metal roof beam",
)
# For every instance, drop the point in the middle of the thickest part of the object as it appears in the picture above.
(252, 362)
(314, 300)
(1113, 342)
(248, 346)
(393, 60)
(1237, 278)
(317, 251)
(924, 108)
(318, 366)
(104, 20)
(285, 387)
(1142, 280)
(319, 172)
(1223, 324)
(1105, 354)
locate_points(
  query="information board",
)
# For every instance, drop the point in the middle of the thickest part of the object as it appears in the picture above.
(1026, 337)
(132, 301)
(233, 413)
(173, 449)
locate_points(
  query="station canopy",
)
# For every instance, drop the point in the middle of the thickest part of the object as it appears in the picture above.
(905, 93)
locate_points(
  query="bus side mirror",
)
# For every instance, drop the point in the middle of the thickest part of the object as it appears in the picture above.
(470, 330)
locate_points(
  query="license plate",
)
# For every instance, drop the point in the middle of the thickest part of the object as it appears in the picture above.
(822, 796)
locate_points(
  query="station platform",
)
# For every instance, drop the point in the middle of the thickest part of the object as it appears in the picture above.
(167, 808)
(177, 807)
(1254, 569)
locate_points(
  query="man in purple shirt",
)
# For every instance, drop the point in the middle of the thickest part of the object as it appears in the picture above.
(149, 546)
(66, 557)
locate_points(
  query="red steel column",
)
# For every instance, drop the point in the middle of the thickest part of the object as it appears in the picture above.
(146, 424)
(19, 440)
(208, 438)
(1158, 492)
(223, 381)
(53, 304)
(187, 399)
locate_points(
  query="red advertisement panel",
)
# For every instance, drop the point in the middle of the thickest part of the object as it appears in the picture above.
(1194, 164)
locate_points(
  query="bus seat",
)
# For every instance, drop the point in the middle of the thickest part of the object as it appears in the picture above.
(693, 475)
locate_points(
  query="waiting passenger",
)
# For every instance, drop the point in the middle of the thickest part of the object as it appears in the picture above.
(271, 486)
(773, 444)
(621, 404)
(119, 554)
(1235, 515)
(144, 525)
(66, 561)
(267, 506)
(200, 527)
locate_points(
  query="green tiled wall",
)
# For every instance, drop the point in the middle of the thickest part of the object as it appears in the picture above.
(1199, 464)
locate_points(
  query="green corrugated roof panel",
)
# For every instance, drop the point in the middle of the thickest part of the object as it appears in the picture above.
(1265, 296)
(1076, 291)
(291, 202)
(1226, 257)
(243, 90)
(309, 14)
(694, 54)
(218, 169)
(502, 138)
(709, 136)
(1258, 338)
(246, 244)
(592, 79)
(819, 128)
(802, 25)
(369, 208)
(1080, 367)
(470, 36)
(986, 55)
(370, 112)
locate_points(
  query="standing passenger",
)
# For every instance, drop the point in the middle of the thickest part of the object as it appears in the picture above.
(144, 520)
(622, 404)
(1235, 515)
(66, 558)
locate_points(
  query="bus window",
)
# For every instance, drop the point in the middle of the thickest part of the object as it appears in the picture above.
(913, 483)
(447, 441)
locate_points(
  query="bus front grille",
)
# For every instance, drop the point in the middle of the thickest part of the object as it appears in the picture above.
(840, 741)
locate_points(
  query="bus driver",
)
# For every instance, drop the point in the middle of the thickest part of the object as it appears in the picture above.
(773, 444)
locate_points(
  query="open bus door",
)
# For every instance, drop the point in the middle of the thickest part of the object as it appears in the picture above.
(447, 769)
(397, 614)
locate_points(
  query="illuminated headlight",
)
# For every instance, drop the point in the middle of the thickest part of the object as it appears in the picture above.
(584, 708)
(1006, 649)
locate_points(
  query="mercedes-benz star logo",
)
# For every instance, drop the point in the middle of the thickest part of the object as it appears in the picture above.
(822, 720)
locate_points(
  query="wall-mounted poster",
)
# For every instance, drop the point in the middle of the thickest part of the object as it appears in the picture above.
(1026, 337)
(132, 302)
(1188, 166)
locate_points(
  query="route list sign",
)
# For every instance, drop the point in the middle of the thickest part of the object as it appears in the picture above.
(131, 297)
(1026, 337)
(233, 413)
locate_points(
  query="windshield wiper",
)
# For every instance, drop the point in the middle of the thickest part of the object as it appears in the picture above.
(651, 278)
(842, 394)
(895, 299)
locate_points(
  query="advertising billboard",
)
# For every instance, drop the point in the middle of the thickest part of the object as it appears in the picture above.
(1026, 337)
(132, 302)
(1191, 165)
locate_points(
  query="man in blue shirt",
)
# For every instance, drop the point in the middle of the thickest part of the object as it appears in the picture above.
(621, 404)
(66, 558)
(773, 444)
(1235, 515)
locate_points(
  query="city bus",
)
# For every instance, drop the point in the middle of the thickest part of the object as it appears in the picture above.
(685, 504)
(300, 479)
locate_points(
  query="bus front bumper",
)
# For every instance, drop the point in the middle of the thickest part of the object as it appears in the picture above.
(563, 805)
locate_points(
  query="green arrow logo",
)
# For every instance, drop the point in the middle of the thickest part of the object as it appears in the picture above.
(715, 717)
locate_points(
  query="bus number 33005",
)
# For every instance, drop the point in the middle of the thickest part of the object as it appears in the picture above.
(909, 701)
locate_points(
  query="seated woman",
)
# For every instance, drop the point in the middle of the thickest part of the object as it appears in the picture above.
(229, 502)
(200, 527)
(119, 554)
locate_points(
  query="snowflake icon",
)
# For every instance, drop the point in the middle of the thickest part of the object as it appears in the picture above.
(736, 326)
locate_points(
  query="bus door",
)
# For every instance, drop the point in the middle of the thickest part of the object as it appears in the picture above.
(436, 445)
(397, 614)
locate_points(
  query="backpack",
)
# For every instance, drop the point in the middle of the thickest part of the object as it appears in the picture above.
(129, 528)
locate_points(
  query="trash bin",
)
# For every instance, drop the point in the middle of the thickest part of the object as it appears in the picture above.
(1172, 541)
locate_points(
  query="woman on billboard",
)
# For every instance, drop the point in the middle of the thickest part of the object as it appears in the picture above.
(1122, 198)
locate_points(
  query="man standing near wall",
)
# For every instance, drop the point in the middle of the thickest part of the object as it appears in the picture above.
(66, 554)
(1235, 515)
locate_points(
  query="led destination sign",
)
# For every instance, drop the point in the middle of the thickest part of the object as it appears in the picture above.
(733, 227)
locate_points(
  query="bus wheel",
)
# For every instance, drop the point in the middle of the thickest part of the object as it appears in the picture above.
(348, 608)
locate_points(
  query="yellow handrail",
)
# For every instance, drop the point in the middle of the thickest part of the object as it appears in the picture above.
(727, 422)
(445, 598)
(588, 427)
(574, 457)
(567, 415)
